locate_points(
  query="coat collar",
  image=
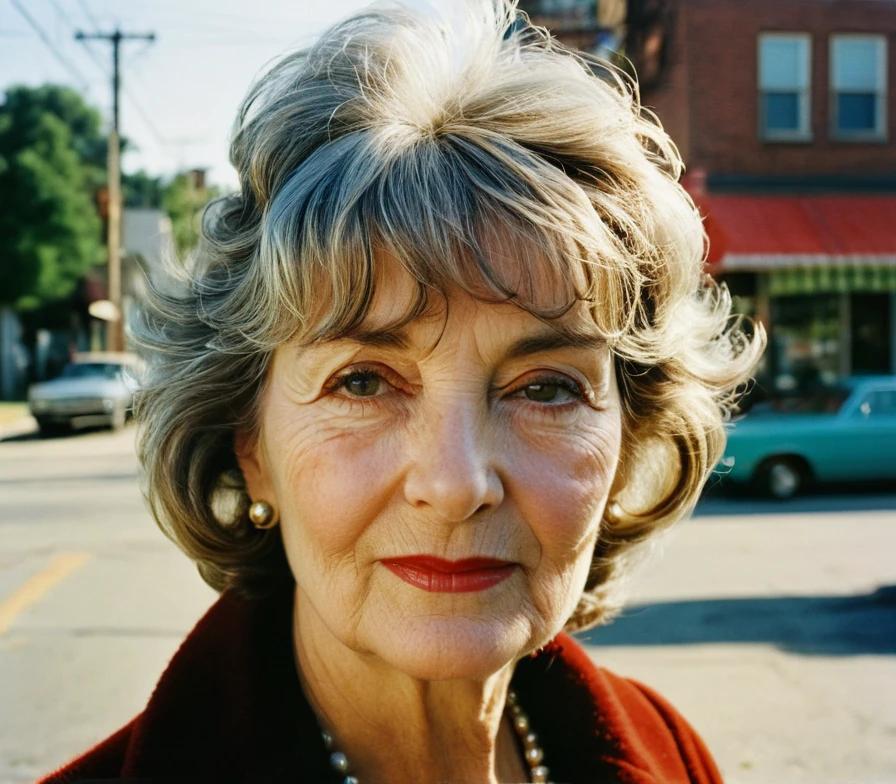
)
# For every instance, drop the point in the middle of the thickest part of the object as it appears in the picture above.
(229, 707)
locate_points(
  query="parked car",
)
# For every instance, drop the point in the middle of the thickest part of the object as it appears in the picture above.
(844, 433)
(95, 388)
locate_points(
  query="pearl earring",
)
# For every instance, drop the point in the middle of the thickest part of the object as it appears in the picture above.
(261, 513)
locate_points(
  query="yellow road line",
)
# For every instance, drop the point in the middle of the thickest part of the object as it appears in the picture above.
(37, 585)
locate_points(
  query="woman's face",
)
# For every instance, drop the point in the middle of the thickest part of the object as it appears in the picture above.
(393, 458)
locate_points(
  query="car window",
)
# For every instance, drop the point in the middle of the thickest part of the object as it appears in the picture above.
(879, 402)
(821, 401)
(91, 370)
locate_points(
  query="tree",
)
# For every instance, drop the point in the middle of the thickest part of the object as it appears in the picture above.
(51, 161)
(184, 197)
(142, 190)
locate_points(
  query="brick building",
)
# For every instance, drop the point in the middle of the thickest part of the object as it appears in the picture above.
(589, 25)
(784, 112)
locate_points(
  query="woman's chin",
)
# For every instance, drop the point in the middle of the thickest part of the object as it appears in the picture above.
(447, 648)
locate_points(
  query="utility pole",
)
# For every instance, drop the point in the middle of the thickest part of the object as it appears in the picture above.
(115, 328)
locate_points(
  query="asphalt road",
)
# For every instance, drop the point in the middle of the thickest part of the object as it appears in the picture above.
(771, 627)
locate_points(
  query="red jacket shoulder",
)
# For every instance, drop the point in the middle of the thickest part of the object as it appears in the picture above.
(638, 734)
(655, 715)
(102, 761)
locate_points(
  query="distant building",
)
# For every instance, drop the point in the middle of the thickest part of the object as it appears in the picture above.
(589, 25)
(148, 252)
(784, 112)
(636, 28)
(148, 240)
(35, 346)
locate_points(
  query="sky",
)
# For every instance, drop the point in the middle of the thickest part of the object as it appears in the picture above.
(180, 93)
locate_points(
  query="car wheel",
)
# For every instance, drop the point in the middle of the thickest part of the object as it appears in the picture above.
(782, 478)
(49, 428)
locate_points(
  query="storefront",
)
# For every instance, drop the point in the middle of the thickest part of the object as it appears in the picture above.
(818, 271)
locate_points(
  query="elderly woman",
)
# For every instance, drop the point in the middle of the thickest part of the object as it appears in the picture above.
(447, 361)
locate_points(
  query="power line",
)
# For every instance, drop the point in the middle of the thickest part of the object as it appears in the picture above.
(90, 17)
(93, 55)
(116, 39)
(104, 69)
(135, 103)
(95, 58)
(59, 12)
(85, 85)
(145, 115)
(115, 335)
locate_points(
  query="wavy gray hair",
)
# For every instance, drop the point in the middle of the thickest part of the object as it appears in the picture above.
(386, 134)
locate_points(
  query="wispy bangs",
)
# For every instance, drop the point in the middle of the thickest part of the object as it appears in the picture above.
(483, 215)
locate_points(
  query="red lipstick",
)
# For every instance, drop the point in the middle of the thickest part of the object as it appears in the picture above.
(440, 576)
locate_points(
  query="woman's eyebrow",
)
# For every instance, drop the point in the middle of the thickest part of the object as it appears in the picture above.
(529, 344)
(535, 344)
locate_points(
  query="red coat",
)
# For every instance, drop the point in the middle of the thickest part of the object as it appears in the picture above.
(229, 708)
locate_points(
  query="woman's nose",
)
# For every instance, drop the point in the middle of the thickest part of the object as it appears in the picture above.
(451, 472)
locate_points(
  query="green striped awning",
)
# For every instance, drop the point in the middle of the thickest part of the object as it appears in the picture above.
(817, 280)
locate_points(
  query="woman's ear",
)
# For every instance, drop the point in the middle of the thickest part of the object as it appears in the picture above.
(248, 450)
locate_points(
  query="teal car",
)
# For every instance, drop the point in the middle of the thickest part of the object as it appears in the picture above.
(842, 434)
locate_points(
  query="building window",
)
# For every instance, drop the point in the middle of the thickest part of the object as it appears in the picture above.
(784, 86)
(807, 341)
(858, 87)
(578, 9)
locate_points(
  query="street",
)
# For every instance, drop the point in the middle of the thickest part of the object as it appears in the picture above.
(771, 627)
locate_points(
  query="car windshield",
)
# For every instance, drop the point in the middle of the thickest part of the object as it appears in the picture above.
(91, 370)
(822, 401)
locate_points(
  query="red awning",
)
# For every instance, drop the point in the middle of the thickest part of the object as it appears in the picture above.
(759, 232)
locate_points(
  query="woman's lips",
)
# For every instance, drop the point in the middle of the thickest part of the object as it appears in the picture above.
(440, 576)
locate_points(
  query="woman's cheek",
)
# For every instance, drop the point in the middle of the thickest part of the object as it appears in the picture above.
(562, 476)
(336, 481)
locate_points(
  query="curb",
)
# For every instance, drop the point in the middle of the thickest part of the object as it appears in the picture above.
(18, 427)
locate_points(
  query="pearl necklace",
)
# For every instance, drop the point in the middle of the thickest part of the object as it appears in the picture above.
(533, 752)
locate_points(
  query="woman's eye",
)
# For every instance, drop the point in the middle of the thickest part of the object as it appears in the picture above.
(361, 383)
(552, 390)
(370, 383)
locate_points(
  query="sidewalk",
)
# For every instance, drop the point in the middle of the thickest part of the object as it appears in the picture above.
(15, 419)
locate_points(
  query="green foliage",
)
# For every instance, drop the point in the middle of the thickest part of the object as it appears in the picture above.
(52, 163)
(24, 106)
(183, 202)
(180, 197)
(142, 190)
(51, 160)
